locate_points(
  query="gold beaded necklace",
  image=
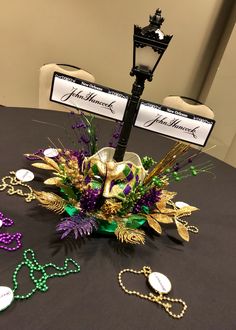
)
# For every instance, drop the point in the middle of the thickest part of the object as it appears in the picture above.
(161, 284)
(12, 184)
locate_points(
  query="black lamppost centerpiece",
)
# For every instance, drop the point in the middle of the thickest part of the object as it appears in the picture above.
(118, 193)
(149, 45)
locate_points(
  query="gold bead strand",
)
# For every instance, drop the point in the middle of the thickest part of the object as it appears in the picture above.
(13, 181)
(169, 306)
(138, 294)
(160, 298)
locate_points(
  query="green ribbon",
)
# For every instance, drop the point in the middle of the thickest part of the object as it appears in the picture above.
(106, 227)
(71, 210)
(134, 221)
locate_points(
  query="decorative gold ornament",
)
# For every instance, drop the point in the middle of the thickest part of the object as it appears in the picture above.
(153, 223)
(161, 299)
(111, 207)
(169, 215)
(129, 235)
(12, 184)
(53, 181)
(66, 170)
(51, 201)
(50, 164)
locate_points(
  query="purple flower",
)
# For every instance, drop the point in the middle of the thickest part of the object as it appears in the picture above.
(89, 199)
(81, 124)
(80, 155)
(149, 199)
(85, 133)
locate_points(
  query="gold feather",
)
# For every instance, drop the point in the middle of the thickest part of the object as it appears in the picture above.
(53, 181)
(52, 163)
(165, 197)
(129, 235)
(182, 230)
(34, 156)
(186, 210)
(168, 215)
(163, 218)
(153, 223)
(51, 201)
(43, 166)
(170, 212)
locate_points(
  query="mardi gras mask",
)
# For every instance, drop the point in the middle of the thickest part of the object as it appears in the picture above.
(117, 179)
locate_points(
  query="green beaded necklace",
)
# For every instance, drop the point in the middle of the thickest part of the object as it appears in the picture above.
(30, 261)
(33, 265)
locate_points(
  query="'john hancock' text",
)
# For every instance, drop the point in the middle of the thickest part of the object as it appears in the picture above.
(176, 123)
(89, 97)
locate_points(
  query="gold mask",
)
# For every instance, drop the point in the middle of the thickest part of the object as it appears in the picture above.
(117, 179)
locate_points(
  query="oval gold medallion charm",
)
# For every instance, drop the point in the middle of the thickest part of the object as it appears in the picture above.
(159, 282)
(6, 297)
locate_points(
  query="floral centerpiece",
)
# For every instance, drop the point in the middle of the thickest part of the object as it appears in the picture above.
(96, 193)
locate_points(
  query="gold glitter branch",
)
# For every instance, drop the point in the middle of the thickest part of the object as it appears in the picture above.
(169, 160)
(129, 235)
(51, 201)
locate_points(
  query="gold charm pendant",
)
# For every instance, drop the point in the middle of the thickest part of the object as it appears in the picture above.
(12, 184)
(161, 284)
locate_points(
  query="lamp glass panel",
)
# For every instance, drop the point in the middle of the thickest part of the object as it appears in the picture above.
(146, 57)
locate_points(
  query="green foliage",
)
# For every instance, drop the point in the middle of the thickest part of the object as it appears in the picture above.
(148, 162)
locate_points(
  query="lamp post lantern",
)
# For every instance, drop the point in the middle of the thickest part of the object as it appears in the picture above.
(149, 45)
